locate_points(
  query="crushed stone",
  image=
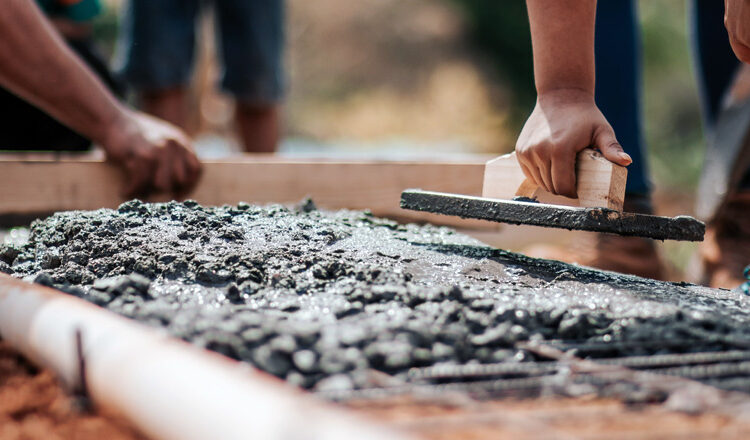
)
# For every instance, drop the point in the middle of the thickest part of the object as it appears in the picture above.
(323, 298)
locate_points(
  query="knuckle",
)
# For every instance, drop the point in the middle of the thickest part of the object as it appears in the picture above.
(524, 156)
(544, 149)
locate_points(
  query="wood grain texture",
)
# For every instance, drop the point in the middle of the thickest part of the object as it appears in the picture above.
(600, 183)
(39, 183)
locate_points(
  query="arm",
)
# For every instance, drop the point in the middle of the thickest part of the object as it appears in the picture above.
(37, 65)
(737, 22)
(565, 119)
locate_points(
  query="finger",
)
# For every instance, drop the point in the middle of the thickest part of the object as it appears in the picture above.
(131, 180)
(564, 174)
(740, 50)
(182, 189)
(194, 169)
(532, 173)
(187, 173)
(179, 173)
(139, 178)
(606, 142)
(162, 177)
(544, 167)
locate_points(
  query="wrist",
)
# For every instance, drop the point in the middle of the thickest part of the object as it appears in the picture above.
(116, 129)
(566, 95)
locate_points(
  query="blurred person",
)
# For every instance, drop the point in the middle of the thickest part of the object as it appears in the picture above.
(159, 50)
(38, 66)
(573, 111)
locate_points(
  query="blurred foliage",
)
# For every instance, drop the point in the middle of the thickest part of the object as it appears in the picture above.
(672, 112)
(106, 26)
(501, 29)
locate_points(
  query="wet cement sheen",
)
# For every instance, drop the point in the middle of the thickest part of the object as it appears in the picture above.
(318, 298)
(564, 217)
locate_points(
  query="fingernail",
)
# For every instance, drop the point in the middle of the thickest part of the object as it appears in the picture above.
(626, 157)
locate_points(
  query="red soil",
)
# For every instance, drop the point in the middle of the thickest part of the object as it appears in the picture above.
(33, 405)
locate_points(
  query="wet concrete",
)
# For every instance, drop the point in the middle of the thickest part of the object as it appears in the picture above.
(527, 212)
(322, 298)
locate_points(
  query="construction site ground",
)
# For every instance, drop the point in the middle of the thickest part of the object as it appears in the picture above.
(33, 405)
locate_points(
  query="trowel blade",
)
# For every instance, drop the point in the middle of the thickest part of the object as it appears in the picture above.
(553, 216)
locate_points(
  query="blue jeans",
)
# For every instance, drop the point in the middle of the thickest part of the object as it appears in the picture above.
(618, 73)
(158, 41)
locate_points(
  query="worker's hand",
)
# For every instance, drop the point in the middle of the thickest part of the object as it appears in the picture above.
(737, 22)
(563, 123)
(155, 155)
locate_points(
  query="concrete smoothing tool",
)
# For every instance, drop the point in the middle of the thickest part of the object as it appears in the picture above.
(508, 197)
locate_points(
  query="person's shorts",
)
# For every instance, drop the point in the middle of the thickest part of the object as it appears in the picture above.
(158, 45)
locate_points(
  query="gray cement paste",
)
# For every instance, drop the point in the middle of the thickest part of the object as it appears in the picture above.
(321, 298)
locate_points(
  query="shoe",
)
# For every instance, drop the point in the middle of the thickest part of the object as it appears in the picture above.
(628, 255)
(725, 252)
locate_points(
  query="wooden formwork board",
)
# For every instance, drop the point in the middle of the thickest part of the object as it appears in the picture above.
(47, 183)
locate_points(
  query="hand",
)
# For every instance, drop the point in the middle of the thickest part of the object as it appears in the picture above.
(155, 155)
(563, 123)
(737, 22)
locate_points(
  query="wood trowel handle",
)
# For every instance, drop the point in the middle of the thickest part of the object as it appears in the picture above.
(599, 182)
(528, 189)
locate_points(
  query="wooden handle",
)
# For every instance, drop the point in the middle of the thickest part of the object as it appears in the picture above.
(600, 183)
(527, 189)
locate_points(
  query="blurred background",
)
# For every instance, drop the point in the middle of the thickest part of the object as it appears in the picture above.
(417, 77)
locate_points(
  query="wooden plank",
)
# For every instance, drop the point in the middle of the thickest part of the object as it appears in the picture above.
(600, 183)
(42, 183)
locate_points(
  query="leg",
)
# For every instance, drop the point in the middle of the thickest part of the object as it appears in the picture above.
(715, 63)
(158, 45)
(169, 104)
(252, 38)
(726, 249)
(618, 89)
(618, 84)
(258, 127)
(618, 95)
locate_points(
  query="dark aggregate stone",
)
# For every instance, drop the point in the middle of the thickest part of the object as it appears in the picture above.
(319, 298)
(272, 361)
(8, 253)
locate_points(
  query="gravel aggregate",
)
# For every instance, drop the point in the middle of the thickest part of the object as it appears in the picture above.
(324, 298)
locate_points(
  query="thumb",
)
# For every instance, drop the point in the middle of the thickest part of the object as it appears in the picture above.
(606, 142)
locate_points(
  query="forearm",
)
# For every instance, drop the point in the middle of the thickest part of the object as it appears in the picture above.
(36, 64)
(562, 36)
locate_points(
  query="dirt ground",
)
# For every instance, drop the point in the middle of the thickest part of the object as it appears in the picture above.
(33, 405)
(548, 418)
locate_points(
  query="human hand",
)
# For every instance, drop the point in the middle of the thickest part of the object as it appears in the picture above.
(155, 155)
(563, 123)
(737, 22)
